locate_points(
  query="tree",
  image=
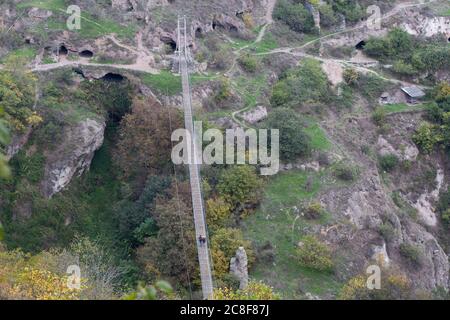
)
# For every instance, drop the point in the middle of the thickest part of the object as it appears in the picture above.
(314, 254)
(4, 139)
(350, 76)
(328, 17)
(26, 277)
(240, 187)
(294, 142)
(295, 16)
(134, 215)
(17, 96)
(400, 43)
(172, 252)
(144, 145)
(254, 291)
(394, 285)
(388, 162)
(351, 9)
(218, 211)
(312, 85)
(426, 137)
(224, 244)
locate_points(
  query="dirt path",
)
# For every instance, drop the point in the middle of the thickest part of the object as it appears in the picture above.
(143, 62)
(269, 20)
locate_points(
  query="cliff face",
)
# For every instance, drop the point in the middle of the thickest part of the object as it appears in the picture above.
(404, 203)
(73, 155)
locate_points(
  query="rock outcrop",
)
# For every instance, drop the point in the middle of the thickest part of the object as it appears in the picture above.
(239, 268)
(73, 156)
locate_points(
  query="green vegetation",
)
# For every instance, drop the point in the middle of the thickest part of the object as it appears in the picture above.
(295, 15)
(165, 82)
(314, 254)
(306, 85)
(91, 27)
(294, 142)
(248, 63)
(345, 172)
(409, 56)
(52, 5)
(428, 135)
(403, 107)
(394, 286)
(388, 162)
(27, 54)
(254, 291)
(283, 191)
(319, 140)
(411, 253)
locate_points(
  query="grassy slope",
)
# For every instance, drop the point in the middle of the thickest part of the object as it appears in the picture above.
(276, 222)
(90, 27)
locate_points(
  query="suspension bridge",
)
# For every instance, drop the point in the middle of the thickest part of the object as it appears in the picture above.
(194, 170)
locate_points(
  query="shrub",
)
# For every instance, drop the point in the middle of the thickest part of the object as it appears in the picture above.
(314, 211)
(379, 116)
(305, 86)
(328, 17)
(294, 142)
(280, 94)
(426, 137)
(240, 187)
(254, 291)
(248, 63)
(223, 91)
(314, 254)
(221, 59)
(345, 172)
(350, 76)
(294, 15)
(248, 20)
(387, 231)
(394, 285)
(411, 253)
(388, 162)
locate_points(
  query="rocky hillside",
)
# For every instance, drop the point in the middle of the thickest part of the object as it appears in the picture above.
(364, 179)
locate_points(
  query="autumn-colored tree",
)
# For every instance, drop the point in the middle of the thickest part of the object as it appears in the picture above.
(240, 187)
(218, 211)
(24, 276)
(17, 92)
(224, 244)
(144, 145)
(314, 254)
(254, 291)
(394, 285)
(350, 76)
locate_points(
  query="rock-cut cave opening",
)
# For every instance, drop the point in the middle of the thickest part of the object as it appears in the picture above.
(86, 54)
(360, 45)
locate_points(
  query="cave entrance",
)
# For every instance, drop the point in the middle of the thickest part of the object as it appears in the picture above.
(86, 54)
(171, 45)
(199, 32)
(63, 50)
(360, 45)
(113, 77)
